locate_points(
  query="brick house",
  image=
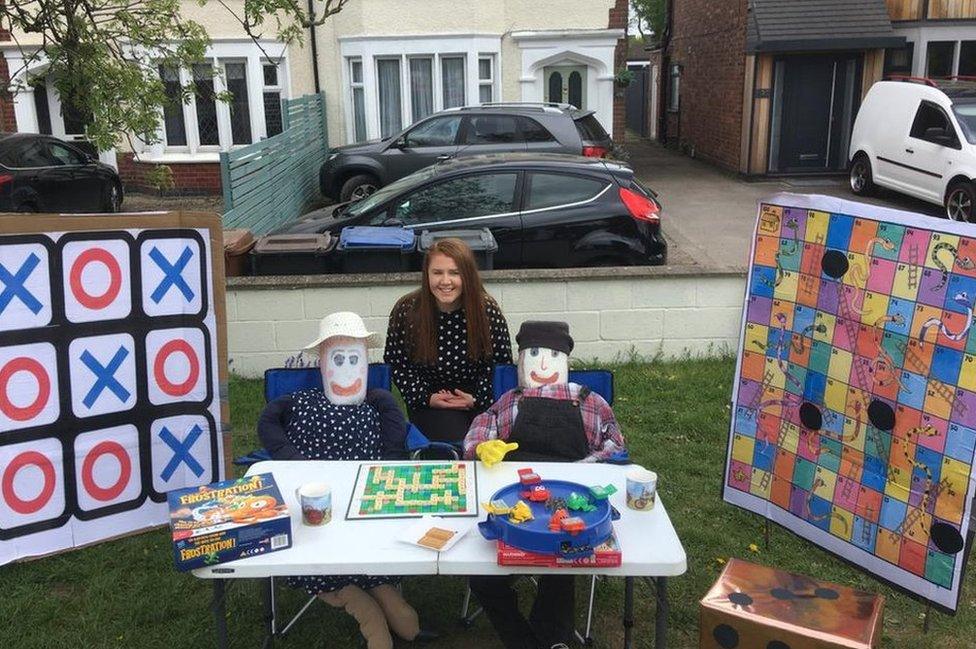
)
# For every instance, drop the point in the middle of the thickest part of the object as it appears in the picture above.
(768, 87)
(382, 64)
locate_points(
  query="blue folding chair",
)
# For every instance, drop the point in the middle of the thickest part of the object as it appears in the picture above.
(598, 381)
(280, 381)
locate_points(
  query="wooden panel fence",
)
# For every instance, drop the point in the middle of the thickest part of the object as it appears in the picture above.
(271, 182)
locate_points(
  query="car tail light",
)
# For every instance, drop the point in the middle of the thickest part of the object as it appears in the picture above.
(595, 151)
(5, 180)
(640, 207)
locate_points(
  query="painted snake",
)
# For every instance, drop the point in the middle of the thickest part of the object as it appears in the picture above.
(966, 263)
(962, 299)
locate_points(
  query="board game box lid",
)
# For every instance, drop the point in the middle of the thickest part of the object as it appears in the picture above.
(224, 506)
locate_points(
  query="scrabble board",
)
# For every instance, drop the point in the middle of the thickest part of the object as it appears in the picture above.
(854, 402)
(414, 490)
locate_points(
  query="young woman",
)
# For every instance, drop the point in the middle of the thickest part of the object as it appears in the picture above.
(443, 342)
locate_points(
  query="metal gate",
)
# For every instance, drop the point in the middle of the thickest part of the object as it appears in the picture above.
(637, 100)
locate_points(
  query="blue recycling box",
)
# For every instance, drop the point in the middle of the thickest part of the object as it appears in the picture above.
(375, 249)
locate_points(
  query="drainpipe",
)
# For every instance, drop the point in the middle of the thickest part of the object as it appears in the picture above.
(662, 126)
(315, 55)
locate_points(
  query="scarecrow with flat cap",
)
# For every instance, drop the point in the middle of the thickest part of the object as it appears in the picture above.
(343, 421)
(545, 419)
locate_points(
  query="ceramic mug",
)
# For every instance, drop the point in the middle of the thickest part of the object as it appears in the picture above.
(315, 499)
(641, 488)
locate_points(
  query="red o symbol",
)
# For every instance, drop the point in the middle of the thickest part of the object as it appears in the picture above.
(24, 364)
(125, 470)
(85, 298)
(159, 368)
(28, 506)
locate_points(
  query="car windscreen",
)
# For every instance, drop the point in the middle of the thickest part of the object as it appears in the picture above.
(590, 129)
(384, 194)
(966, 116)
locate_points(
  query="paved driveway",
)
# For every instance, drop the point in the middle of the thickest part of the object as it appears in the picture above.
(709, 214)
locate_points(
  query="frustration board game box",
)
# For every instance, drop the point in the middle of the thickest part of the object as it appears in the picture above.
(605, 555)
(228, 520)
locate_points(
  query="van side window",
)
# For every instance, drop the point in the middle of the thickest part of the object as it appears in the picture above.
(932, 125)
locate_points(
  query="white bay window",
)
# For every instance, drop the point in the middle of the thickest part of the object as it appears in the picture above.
(203, 126)
(392, 82)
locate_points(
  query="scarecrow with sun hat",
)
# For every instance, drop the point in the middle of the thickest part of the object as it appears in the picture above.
(545, 419)
(343, 421)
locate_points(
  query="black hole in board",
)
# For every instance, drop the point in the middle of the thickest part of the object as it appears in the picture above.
(834, 263)
(740, 599)
(726, 636)
(810, 416)
(826, 593)
(782, 593)
(881, 415)
(946, 538)
(777, 644)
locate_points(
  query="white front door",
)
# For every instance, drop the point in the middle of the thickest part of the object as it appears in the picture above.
(566, 84)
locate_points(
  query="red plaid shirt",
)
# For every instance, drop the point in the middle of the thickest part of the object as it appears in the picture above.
(599, 424)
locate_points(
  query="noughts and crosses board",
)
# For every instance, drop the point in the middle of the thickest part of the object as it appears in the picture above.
(854, 400)
(112, 358)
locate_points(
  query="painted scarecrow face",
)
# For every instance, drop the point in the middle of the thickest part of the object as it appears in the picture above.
(344, 366)
(539, 366)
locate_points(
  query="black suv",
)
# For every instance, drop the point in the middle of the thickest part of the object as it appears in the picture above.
(545, 210)
(354, 171)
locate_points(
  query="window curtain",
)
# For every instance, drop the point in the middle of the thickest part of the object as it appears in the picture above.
(388, 71)
(421, 88)
(452, 73)
(173, 109)
(240, 111)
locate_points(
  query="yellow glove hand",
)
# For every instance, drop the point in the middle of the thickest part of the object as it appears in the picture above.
(494, 451)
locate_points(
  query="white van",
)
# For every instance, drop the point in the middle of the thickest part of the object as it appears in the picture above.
(918, 137)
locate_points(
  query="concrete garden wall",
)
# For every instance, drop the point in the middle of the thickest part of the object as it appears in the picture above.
(612, 312)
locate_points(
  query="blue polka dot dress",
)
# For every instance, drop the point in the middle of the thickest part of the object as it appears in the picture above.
(321, 430)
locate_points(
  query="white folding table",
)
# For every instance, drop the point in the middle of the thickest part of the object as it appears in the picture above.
(650, 547)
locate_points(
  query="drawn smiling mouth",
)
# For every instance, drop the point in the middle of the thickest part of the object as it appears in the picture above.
(545, 380)
(346, 391)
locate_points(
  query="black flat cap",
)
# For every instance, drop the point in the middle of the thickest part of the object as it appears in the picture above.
(544, 333)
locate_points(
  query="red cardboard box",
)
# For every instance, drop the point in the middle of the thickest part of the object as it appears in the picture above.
(606, 555)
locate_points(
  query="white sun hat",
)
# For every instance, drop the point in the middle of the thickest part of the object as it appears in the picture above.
(343, 323)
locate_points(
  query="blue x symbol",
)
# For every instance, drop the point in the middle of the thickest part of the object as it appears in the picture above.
(14, 285)
(173, 274)
(181, 452)
(105, 376)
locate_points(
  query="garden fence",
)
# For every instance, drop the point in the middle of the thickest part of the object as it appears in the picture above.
(270, 182)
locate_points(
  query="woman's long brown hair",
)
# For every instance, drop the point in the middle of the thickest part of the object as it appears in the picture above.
(423, 315)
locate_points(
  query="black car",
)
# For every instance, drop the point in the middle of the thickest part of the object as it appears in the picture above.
(355, 171)
(40, 173)
(545, 210)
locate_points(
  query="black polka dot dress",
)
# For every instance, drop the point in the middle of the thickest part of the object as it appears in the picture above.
(321, 430)
(454, 370)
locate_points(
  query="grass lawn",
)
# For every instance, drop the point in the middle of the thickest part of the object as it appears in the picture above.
(675, 416)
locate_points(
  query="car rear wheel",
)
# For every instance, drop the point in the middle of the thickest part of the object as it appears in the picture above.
(112, 201)
(358, 187)
(862, 183)
(960, 203)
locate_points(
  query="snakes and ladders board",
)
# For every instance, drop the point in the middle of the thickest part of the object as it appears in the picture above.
(112, 358)
(390, 490)
(854, 401)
